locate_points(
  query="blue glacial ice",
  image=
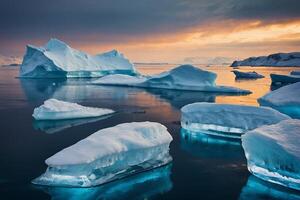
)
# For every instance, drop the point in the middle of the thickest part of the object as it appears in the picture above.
(54, 109)
(295, 73)
(109, 154)
(184, 77)
(285, 99)
(273, 153)
(284, 79)
(247, 75)
(140, 186)
(227, 120)
(56, 60)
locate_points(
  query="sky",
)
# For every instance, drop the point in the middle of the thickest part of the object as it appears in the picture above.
(154, 30)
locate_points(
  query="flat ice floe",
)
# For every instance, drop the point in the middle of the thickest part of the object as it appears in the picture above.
(247, 75)
(54, 109)
(227, 120)
(57, 60)
(285, 99)
(284, 79)
(273, 152)
(184, 77)
(109, 154)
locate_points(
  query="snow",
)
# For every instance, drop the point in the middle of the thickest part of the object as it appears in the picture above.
(184, 77)
(273, 153)
(276, 60)
(109, 154)
(284, 79)
(247, 75)
(57, 59)
(285, 99)
(54, 109)
(227, 120)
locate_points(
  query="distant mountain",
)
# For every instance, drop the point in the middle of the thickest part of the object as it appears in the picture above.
(208, 60)
(276, 60)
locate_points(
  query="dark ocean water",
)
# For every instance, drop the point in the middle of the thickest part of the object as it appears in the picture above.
(202, 168)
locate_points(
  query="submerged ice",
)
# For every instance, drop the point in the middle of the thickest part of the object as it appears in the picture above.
(54, 109)
(109, 154)
(227, 120)
(184, 77)
(273, 153)
(56, 59)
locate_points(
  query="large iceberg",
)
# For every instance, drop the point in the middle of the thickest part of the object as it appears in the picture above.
(285, 99)
(284, 79)
(56, 59)
(109, 154)
(247, 75)
(184, 77)
(273, 152)
(276, 60)
(227, 120)
(53, 109)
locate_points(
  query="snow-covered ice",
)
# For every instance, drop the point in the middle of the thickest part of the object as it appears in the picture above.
(276, 60)
(56, 59)
(273, 152)
(247, 75)
(54, 109)
(285, 99)
(284, 79)
(184, 77)
(109, 154)
(227, 120)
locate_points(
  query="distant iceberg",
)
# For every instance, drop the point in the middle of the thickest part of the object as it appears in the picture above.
(247, 75)
(53, 109)
(56, 60)
(284, 79)
(109, 154)
(285, 99)
(295, 73)
(273, 153)
(184, 77)
(276, 60)
(227, 120)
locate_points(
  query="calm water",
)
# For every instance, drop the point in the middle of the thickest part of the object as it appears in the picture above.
(202, 167)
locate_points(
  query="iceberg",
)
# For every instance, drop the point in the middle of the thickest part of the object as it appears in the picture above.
(109, 154)
(295, 73)
(58, 60)
(273, 153)
(53, 109)
(184, 77)
(285, 99)
(284, 79)
(273, 60)
(227, 120)
(247, 75)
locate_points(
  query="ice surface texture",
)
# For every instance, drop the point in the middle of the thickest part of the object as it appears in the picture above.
(53, 109)
(278, 59)
(184, 77)
(225, 119)
(285, 99)
(56, 59)
(246, 75)
(109, 154)
(273, 152)
(284, 79)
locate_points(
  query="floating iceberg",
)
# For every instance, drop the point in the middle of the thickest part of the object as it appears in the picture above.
(285, 99)
(139, 186)
(53, 109)
(56, 60)
(295, 73)
(276, 60)
(284, 79)
(273, 153)
(227, 120)
(184, 77)
(247, 75)
(109, 154)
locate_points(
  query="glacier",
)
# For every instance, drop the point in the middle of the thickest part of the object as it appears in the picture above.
(227, 120)
(276, 60)
(284, 79)
(58, 60)
(54, 109)
(184, 77)
(109, 154)
(273, 153)
(285, 99)
(247, 75)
